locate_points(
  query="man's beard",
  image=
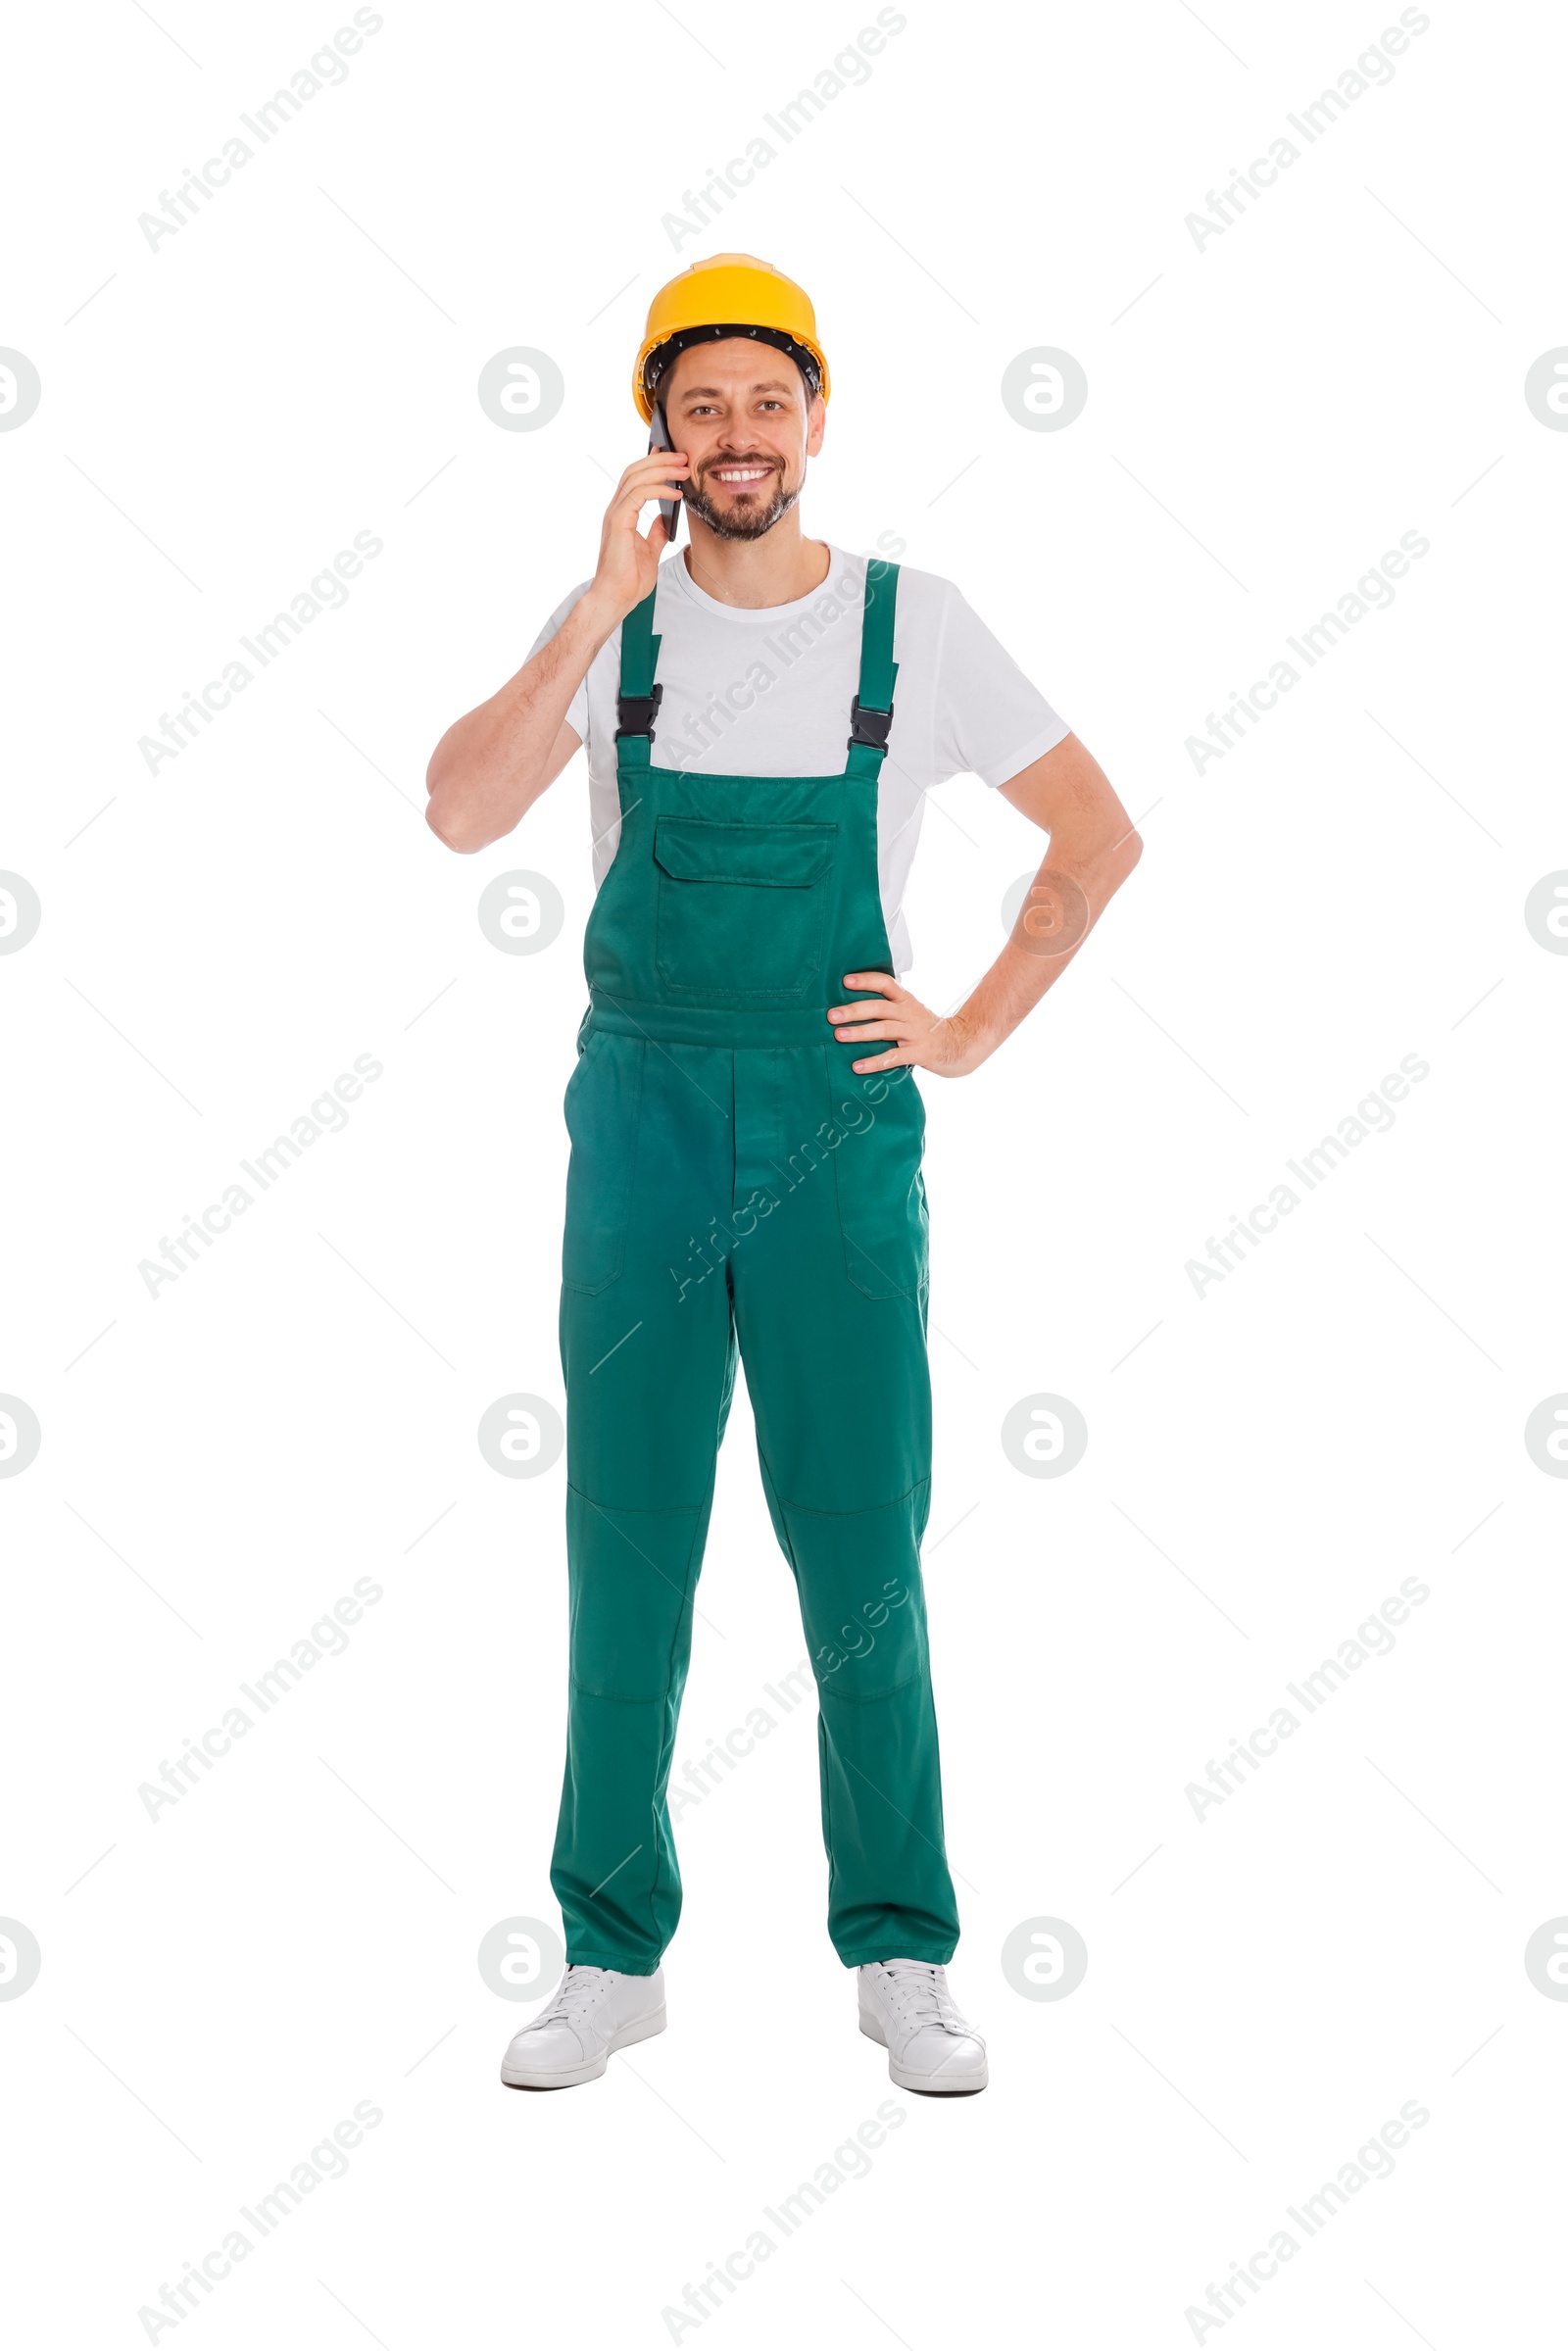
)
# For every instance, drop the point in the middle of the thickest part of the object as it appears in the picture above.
(743, 520)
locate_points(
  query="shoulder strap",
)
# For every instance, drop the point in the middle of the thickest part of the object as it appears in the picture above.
(879, 668)
(639, 697)
(871, 711)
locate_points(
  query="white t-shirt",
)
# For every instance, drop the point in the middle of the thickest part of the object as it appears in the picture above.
(768, 693)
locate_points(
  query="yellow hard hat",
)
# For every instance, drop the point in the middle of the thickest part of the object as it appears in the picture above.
(730, 294)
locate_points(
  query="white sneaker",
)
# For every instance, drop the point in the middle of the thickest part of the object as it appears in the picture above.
(595, 2011)
(905, 2004)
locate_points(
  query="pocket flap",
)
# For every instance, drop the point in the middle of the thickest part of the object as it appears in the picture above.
(778, 855)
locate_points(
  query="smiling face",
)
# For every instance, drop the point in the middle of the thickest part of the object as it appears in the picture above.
(740, 412)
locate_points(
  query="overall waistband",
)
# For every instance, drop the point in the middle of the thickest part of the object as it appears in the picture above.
(735, 1028)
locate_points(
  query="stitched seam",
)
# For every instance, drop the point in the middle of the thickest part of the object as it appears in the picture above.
(871, 1510)
(596, 1288)
(828, 1838)
(699, 1536)
(827, 1690)
(661, 1510)
(607, 1697)
(597, 1956)
(632, 1005)
(877, 1953)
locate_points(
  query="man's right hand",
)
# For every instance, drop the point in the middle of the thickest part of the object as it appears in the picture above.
(628, 560)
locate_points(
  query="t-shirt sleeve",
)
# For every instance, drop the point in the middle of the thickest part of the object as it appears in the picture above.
(990, 720)
(577, 709)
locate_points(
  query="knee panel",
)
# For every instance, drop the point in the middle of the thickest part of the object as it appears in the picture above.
(630, 1574)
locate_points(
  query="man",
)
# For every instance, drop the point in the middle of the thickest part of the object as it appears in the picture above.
(746, 1137)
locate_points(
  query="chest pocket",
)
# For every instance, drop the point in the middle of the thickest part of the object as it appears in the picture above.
(742, 907)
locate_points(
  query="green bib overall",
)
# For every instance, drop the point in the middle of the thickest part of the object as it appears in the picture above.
(734, 1186)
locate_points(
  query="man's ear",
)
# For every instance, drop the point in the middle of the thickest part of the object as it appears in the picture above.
(816, 424)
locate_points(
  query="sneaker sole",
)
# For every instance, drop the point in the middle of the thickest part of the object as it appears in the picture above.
(522, 2077)
(924, 2085)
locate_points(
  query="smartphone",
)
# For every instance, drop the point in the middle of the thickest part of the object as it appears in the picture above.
(658, 438)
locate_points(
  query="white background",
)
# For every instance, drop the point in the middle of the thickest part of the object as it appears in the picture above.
(1265, 1463)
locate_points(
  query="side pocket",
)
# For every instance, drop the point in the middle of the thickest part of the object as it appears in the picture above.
(882, 1211)
(602, 1107)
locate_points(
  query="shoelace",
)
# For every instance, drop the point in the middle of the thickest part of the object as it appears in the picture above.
(576, 1991)
(921, 1989)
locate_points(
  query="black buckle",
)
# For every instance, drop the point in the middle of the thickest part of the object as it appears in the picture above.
(636, 712)
(869, 727)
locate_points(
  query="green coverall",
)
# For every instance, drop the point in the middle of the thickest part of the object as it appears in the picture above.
(734, 1184)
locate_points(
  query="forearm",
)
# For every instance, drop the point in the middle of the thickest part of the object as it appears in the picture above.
(489, 769)
(1082, 871)
(1094, 847)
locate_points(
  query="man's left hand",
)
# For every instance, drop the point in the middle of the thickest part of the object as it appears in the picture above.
(921, 1039)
